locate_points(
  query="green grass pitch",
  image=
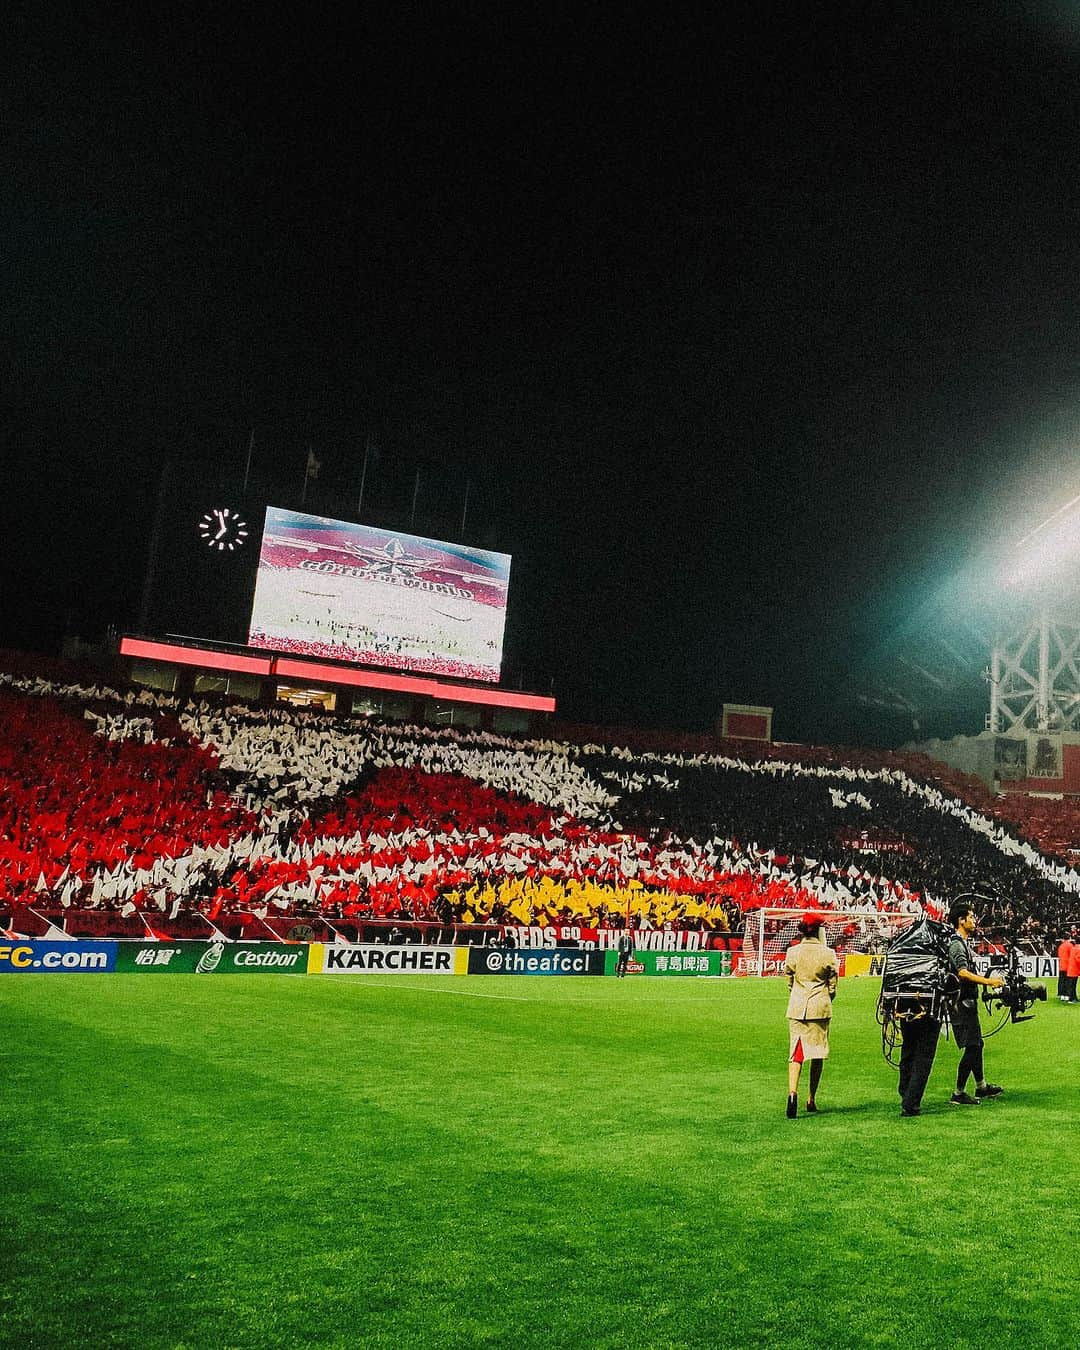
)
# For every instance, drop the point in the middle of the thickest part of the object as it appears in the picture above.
(369, 1161)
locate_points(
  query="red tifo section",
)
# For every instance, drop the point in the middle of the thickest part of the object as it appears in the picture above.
(69, 798)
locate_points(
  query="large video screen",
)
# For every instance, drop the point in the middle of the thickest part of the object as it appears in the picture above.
(350, 592)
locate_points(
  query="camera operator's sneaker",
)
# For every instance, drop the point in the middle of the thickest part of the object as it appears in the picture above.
(990, 1090)
(963, 1099)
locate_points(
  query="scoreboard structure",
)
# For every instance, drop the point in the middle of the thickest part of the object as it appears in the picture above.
(353, 619)
(264, 673)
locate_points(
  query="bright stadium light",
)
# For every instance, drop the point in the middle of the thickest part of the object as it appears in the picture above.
(1047, 553)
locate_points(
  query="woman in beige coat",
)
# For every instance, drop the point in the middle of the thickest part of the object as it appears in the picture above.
(812, 969)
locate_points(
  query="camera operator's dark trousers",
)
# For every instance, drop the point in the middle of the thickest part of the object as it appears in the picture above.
(918, 1047)
(968, 1034)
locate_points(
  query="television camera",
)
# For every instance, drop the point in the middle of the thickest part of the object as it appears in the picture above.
(1016, 995)
(917, 982)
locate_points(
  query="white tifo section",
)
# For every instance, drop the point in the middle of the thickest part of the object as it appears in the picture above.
(770, 932)
(315, 758)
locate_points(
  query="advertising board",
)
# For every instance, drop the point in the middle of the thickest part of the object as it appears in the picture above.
(863, 963)
(554, 961)
(212, 958)
(672, 963)
(369, 958)
(50, 958)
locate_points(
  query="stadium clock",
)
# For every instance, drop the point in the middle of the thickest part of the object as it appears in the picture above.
(223, 529)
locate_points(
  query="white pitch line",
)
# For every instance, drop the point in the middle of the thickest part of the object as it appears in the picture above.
(422, 989)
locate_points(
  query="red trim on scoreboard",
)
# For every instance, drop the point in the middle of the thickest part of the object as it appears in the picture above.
(208, 659)
(410, 684)
(192, 656)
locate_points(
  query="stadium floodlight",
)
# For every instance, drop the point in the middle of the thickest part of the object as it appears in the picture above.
(1045, 552)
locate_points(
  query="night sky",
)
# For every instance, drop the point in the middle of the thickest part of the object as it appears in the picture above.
(748, 326)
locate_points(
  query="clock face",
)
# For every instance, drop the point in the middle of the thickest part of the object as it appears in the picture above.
(223, 530)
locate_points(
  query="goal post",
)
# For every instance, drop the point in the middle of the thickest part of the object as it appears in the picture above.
(770, 932)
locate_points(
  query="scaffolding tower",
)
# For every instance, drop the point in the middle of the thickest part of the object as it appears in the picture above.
(1034, 678)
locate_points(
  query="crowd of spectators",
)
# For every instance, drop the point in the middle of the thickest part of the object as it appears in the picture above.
(129, 803)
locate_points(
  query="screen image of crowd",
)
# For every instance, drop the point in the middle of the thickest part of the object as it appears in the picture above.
(388, 654)
(124, 812)
(339, 590)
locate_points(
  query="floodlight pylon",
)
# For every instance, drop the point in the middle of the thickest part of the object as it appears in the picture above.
(1035, 678)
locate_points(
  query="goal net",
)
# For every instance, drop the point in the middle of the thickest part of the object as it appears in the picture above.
(770, 932)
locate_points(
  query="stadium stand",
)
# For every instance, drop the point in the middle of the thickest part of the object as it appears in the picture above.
(126, 813)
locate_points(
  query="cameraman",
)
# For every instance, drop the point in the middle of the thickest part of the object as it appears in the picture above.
(965, 1014)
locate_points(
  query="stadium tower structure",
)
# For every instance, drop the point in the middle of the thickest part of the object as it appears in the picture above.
(1009, 621)
(770, 932)
(1034, 678)
(1019, 616)
(1034, 673)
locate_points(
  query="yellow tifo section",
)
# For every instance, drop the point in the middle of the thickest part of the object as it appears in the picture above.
(532, 900)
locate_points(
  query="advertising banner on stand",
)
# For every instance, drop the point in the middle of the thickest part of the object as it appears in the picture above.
(557, 961)
(1031, 967)
(370, 958)
(212, 958)
(672, 963)
(1039, 967)
(571, 935)
(65, 958)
